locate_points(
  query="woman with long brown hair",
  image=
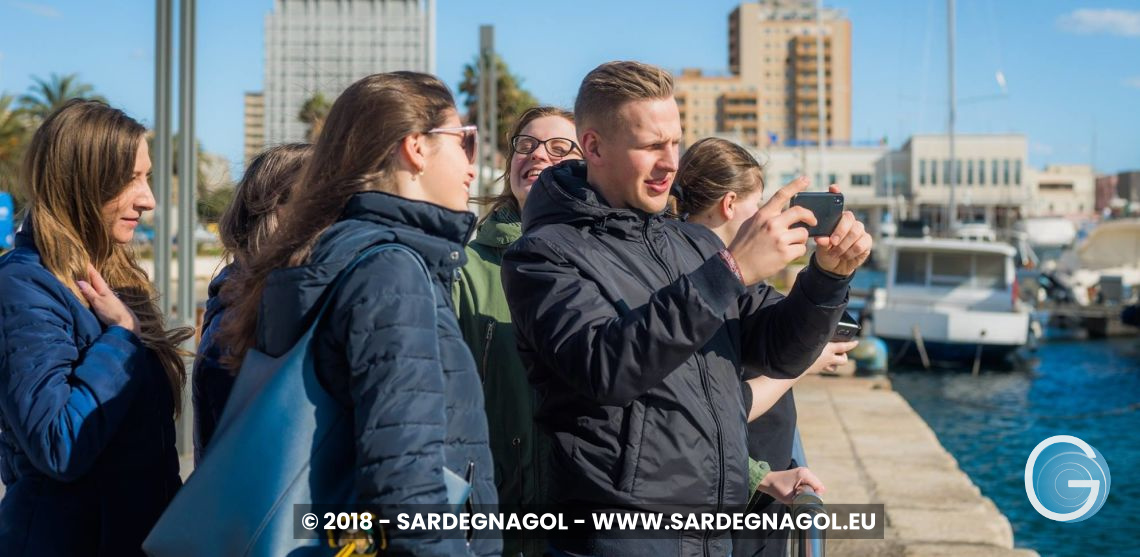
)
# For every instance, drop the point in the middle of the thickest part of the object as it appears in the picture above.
(90, 379)
(392, 165)
(244, 229)
(542, 137)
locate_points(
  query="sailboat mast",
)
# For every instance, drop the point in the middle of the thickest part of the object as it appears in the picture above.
(820, 85)
(952, 175)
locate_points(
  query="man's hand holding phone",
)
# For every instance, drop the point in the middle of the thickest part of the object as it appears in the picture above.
(767, 242)
(847, 246)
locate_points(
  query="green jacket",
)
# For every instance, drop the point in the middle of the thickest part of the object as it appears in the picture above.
(519, 449)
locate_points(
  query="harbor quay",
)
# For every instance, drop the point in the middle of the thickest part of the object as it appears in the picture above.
(868, 445)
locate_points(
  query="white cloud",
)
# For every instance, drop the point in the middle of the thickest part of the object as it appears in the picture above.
(42, 10)
(1125, 23)
(1133, 82)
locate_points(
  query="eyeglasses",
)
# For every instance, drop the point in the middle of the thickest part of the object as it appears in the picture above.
(556, 146)
(468, 137)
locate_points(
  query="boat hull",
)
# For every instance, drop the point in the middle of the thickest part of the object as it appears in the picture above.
(951, 336)
(948, 354)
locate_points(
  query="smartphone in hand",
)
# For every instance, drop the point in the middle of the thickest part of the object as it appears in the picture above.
(847, 329)
(827, 208)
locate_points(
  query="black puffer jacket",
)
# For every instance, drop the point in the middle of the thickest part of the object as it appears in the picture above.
(413, 387)
(634, 331)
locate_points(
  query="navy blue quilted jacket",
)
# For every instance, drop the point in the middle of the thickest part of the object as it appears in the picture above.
(414, 389)
(212, 382)
(86, 422)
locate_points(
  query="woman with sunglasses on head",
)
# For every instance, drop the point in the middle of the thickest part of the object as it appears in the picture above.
(542, 137)
(90, 379)
(392, 165)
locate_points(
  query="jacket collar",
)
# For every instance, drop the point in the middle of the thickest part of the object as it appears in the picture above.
(500, 230)
(563, 195)
(436, 232)
(25, 236)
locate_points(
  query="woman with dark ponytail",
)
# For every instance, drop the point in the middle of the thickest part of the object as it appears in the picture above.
(720, 185)
(90, 379)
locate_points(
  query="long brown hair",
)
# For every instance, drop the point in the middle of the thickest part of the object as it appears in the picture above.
(506, 198)
(357, 151)
(81, 158)
(709, 170)
(252, 215)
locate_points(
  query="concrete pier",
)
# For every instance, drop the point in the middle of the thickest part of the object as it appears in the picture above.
(869, 446)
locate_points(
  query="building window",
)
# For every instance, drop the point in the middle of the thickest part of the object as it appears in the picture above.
(1005, 172)
(933, 172)
(982, 172)
(958, 172)
(860, 179)
(946, 177)
(922, 172)
(994, 174)
(970, 173)
(1017, 172)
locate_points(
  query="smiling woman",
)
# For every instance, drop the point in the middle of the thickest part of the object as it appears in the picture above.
(88, 417)
(543, 137)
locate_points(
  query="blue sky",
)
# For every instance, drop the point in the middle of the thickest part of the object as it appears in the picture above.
(1072, 68)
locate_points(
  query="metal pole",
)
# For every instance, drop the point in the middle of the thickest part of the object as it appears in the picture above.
(163, 170)
(187, 164)
(488, 108)
(429, 41)
(821, 137)
(953, 174)
(187, 184)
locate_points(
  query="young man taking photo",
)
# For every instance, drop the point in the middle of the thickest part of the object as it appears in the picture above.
(634, 326)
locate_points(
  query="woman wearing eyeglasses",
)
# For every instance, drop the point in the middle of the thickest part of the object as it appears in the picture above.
(392, 165)
(543, 137)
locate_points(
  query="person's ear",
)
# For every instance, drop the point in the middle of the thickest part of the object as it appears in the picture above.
(591, 148)
(413, 153)
(728, 205)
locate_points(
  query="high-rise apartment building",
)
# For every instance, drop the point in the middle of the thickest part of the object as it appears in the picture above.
(254, 125)
(323, 46)
(771, 95)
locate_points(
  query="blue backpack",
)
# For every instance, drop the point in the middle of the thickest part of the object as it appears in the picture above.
(282, 441)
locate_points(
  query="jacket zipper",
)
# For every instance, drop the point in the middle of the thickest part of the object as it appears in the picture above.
(486, 350)
(517, 444)
(704, 383)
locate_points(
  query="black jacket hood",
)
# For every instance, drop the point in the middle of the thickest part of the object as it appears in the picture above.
(563, 195)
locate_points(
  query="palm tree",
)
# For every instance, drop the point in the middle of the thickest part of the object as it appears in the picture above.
(14, 128)
(512, 102)
(45, 96)
(313, 113)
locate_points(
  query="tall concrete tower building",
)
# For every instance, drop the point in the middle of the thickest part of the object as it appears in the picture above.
(322, 46)
(770, 91)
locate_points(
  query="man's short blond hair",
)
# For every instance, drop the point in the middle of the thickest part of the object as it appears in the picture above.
(611, 85)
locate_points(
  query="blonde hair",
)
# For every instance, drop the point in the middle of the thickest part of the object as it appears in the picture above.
(81, 158)
(611, 85)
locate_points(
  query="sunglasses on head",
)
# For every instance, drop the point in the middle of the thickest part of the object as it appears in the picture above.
(468, 137)
(556, 146)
